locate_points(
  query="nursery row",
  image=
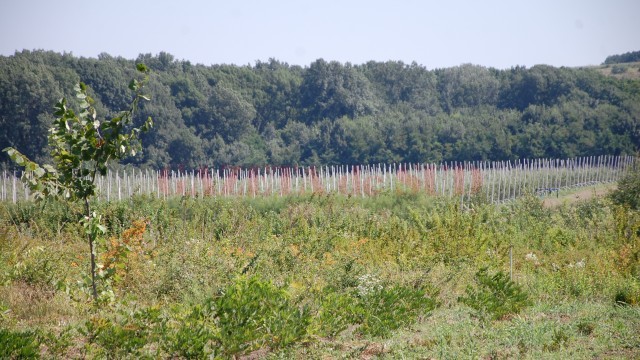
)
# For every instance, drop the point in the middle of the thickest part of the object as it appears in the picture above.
(495, 181)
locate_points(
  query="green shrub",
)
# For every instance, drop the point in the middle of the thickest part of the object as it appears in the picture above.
(336, 312)
(628, 295)
(495, 296)
(618, 69)
(628, 191)
(375, 310)
(124, 335)
(18, 345)
(252, 313)
(191, 336)
(391, 308)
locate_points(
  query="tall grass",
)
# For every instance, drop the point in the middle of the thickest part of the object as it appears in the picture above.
(324, 274)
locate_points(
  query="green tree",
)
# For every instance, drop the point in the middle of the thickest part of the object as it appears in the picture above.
(331, 90)
(28, 90)
(628, 57)
(228, 114)
(628, 191)
(82, 147)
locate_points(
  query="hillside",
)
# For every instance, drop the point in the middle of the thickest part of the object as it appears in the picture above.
(629, 71)
(332, 113)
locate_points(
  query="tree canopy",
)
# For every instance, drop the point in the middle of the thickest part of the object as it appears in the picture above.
(273, 113)
(632, 56)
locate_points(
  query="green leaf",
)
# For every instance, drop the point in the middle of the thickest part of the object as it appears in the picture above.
(39, 172)
(142, 68)
(133, 85)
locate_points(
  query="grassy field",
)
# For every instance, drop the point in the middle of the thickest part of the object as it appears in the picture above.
(621, 71)
(324, 276)
(571, 196)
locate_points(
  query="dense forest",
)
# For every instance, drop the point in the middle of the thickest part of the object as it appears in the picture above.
(329, 112)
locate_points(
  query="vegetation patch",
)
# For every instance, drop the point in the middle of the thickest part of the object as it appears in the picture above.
(324, 275)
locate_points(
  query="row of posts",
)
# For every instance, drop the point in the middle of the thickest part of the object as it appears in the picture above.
(498, 181)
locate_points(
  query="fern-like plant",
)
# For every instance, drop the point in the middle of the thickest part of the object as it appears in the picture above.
(495, 296)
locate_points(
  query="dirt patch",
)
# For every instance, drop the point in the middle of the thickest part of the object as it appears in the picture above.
(580, 195)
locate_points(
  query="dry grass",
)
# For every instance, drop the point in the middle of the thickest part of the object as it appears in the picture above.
(579, 195)
(34, 305)
(630, 71)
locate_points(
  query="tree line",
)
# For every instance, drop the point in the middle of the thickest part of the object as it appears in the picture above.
(628, 57)
(273, 113)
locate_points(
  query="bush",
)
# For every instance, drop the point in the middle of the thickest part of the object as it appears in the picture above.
(628, 295)
(618, 69)
(628, 191)
(377, 311)
(495, 296)
(391, 308)
(18, 345)
(190, 336)
(127, 334)
(252, 313)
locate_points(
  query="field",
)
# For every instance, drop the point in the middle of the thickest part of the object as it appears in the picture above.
(322, 275)
(620, 71)
(396, 273)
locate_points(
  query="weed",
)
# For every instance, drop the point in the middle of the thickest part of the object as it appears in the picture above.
(585, 327)
(559, 339)
(375, 312)
(324, 276)
(59, 343)
(122, 254)
(391, 308)
(335, 314)
(19, 345)
(251, 313)
(192, 335)
(495, 296)
(628, 295)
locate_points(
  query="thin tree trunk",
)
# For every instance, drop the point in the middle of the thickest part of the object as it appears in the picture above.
(90, 236)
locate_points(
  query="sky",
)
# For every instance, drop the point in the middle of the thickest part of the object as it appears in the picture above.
(435, 34)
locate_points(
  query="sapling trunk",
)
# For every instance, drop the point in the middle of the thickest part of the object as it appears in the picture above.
(90, 237)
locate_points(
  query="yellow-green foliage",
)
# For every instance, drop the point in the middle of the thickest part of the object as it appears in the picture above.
(343, 268)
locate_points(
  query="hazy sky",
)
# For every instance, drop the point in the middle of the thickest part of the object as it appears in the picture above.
(435, 34)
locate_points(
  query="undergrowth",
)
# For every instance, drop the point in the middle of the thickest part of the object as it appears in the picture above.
(318, 275)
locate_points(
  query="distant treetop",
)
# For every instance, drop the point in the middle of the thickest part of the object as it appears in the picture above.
(632, 56)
